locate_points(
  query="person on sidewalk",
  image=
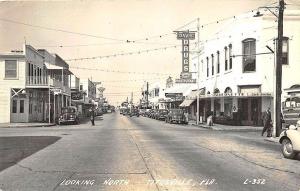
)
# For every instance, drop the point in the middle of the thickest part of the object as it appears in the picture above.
(210, 119)
(267, 122)
(92, 115)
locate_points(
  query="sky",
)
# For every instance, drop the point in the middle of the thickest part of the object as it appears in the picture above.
(81, 29)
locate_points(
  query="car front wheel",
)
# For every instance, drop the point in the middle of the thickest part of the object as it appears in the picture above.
(287, 149)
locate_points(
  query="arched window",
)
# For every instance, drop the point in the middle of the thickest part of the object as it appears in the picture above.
(216, 91)
(228, 90)
(249, 55)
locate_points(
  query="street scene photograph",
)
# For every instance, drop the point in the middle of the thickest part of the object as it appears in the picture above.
(150, 95)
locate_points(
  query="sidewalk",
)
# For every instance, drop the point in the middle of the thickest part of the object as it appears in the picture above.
(219, 127)
(20, 125)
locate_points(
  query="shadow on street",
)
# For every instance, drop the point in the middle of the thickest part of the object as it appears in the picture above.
(14, 149)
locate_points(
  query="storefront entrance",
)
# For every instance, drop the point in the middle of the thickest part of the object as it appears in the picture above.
(250, 111)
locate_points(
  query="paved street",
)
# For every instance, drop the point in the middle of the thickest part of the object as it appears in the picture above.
(123, 153)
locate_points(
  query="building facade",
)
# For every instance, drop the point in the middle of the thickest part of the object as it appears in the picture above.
(26, 86)
(237, 68)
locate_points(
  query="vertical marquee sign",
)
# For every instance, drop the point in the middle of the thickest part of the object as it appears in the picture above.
(185, 37)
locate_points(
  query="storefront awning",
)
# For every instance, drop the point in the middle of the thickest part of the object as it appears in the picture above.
(186, 102)
(55, 67)
(193, 94)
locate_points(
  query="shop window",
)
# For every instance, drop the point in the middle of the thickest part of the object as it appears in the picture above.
(207, 66)
(21, 106)
(10, 69)
(230, 56)
(226, 59)
(228, 107)
(249, 55)
(14, 106)
(217, 107)
(218, 62)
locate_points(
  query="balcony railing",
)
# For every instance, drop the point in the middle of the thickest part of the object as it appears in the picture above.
(37, 81)
(46, 81)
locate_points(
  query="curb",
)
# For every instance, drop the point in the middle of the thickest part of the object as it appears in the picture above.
(229, 129)
(273, 140)
(29, 126)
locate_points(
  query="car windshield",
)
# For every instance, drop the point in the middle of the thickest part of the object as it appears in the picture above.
(68, 110)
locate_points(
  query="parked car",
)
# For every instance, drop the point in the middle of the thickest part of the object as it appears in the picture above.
(134, 112)
(68, 115)
(176, 115)
(154, 113)
(142, 112)
(150, 113)
(147, 112)
(161, 114)
(290, 141)
(98, 112)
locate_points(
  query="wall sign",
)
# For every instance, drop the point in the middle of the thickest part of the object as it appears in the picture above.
(185, 37)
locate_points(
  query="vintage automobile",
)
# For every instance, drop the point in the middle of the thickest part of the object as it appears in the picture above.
(134, 112)
(161, 114)
(290, 141)
(150, 113)
(68, 115)
(154, 113)
(177, 116)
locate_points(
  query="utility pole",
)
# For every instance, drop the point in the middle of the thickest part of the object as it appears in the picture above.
(198, 73)
(147, 94)
(278, 72)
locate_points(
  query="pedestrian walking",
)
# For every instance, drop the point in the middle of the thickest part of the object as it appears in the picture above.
(92, 116)
(267, 120)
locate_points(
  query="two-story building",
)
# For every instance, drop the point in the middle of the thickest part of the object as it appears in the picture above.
(59, 82)
(237, 67)
(29, 84)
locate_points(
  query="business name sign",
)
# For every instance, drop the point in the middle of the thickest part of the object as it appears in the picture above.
(173, 95)
(187, 81)
(185, 37)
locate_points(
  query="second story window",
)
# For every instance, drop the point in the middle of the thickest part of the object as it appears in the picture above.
(212, 65)
(226, 58)
(249, 55)
(230, 56)
(156, 92)
(218, 62)
(207, 66)
(10, 69)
